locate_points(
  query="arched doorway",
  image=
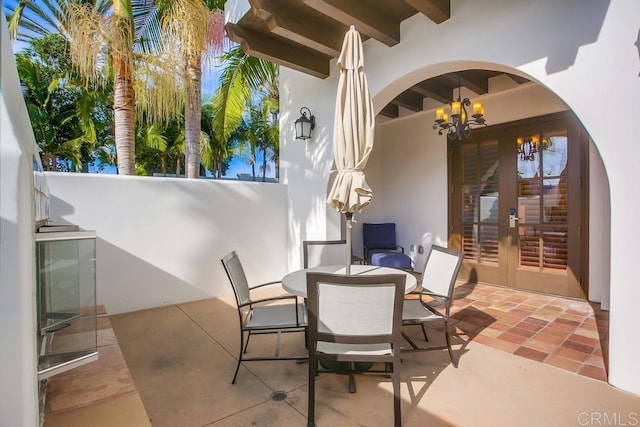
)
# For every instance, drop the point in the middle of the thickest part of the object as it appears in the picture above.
(517, 109)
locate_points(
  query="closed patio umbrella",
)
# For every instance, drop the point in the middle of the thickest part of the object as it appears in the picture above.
(353, 134)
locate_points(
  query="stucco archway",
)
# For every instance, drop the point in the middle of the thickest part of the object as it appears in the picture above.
(506, 101)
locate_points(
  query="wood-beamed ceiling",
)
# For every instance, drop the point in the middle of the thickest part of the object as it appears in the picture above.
(276, 29)
(443, 89)
(307, 34)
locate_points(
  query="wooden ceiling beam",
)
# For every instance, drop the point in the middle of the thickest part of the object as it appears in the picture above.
(276, 50)
(361, 13)
(434, 91)
(474, 80)
(390, 111)
(436, 10)
(518, 79)
(305, 27)
(409, 100)
(477, 81)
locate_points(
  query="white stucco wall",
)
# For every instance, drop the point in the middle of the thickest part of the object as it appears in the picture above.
(599, 230)
(19, 392)
(160, 240)
(583, 52)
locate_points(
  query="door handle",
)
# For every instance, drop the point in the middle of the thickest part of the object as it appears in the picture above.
(512, 218)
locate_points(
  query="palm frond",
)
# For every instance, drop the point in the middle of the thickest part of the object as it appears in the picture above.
(152, 137)
(229, 103)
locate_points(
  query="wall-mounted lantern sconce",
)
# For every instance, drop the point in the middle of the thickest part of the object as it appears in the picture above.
(305, 124)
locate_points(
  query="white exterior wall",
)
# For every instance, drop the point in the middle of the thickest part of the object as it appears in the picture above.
(305, 165)
(599, 230)
(160, 240)
(18, 364)
(583, 52)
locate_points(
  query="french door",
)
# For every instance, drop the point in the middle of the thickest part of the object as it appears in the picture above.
(518, 203)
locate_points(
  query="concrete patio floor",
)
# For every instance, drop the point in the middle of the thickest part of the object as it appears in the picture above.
(182, 357)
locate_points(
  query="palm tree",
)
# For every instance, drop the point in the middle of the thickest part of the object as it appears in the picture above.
(269, 134)
(68, 119)
(107, 41)
(218, 154)
(195, 29)
(243, 78)
(158, 146)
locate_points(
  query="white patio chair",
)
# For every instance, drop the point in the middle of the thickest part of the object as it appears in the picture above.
(355, 319)
(316, 253)
(438, 280)
(257, 318)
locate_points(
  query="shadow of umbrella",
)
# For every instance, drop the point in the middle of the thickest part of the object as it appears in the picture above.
(352, 136)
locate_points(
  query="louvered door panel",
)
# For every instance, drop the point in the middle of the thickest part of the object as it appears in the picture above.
(543, 200)
(480, 201)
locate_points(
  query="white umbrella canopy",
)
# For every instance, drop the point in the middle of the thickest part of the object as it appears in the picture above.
(353, 134)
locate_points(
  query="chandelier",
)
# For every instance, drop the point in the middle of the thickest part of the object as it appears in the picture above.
(530, 145)
(458, 124)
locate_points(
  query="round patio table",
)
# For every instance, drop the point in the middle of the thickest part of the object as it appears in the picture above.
(296, 281)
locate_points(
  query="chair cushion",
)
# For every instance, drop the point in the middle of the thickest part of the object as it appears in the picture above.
(379, 236)
(391, 259)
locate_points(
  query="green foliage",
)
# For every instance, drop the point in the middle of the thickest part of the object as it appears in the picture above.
(73, 121)
(70, 122)
(160, 149)
(243, 78)
(215, 154)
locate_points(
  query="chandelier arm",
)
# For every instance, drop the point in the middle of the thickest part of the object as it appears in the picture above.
(467, 132)
(476, 123)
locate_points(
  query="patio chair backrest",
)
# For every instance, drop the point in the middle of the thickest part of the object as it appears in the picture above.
(238, 279)
(324, 252)
(355, 309)
(441, 270)
(379, 236)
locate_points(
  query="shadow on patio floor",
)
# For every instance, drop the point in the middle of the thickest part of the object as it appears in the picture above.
(182, 358)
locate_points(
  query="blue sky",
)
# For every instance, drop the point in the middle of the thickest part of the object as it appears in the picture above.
(236, 167)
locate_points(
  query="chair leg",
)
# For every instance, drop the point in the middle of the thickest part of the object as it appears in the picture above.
(247, 344)
(242, 349)
(311, 404)
(446, 334)
(395, 378)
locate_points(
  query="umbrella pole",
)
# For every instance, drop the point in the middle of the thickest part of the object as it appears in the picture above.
(349, 217)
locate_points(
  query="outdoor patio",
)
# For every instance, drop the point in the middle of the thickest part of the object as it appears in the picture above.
(524, 359)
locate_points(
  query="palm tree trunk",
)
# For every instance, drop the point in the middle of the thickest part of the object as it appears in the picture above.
(253, 161)
(124, 98)
(124, 120)
(264, 164)
(178, 165)
(192, 117)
